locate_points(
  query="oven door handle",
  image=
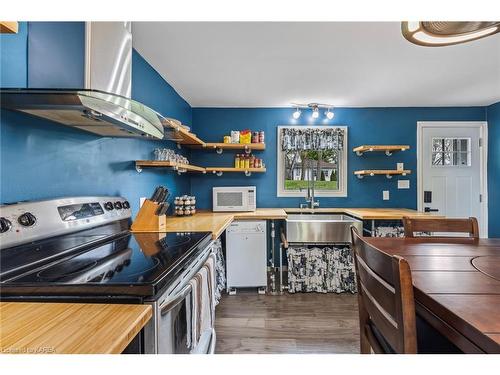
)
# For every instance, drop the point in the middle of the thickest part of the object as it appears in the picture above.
(167, 306)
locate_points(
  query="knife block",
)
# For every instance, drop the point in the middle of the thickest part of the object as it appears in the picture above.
(147, 220)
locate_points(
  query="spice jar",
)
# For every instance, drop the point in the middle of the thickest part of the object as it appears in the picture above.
(255, 137)
(261, 136)
(237, 161)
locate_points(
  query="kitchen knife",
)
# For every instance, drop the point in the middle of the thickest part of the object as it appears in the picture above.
(164, 209)
(158, 210)
(154, 197)
(161, 196)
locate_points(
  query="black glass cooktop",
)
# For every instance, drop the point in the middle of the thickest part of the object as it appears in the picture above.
(130, 264)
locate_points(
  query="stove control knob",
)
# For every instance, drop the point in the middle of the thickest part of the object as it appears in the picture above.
(27, 219)
(108, 206)
(118, 205)
(126, 205)
(5, 224)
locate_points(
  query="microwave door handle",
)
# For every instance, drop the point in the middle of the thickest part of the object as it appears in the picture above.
(168, 306)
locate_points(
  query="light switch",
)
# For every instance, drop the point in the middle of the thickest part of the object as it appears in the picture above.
(385, 195)
(403, 184)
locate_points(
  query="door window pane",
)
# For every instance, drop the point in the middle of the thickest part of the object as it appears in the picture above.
(451, 152)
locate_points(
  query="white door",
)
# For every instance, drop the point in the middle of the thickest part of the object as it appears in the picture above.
(451, 170)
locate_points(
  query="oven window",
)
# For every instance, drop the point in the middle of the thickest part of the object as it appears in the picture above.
(180, 329)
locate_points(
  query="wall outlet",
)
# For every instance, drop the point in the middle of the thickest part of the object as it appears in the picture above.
(385, 195)
(141, 201)
(401, 166)
(403, 184)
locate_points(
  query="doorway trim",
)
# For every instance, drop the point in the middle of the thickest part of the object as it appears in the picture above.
(483, 160)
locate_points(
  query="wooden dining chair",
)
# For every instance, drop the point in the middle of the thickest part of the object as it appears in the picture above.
(385, 299)
(412, 225)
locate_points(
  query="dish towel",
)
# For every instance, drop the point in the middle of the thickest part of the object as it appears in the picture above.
(206, 300)
(210, 266)
(192, 313)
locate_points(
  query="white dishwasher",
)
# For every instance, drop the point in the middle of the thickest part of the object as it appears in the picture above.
(246, 255)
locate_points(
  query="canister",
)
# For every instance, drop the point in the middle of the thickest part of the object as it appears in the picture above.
(235, 136)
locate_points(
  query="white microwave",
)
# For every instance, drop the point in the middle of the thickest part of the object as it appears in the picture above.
(238, 198)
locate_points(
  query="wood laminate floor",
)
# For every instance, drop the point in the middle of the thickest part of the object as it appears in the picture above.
(292, 323)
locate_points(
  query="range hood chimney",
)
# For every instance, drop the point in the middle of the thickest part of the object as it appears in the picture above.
(103, 106)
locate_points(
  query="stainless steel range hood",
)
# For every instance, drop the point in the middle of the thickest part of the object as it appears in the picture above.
(103, 106)
(94, 111)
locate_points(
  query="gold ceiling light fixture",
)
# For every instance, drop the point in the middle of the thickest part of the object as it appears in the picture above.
(447, 33)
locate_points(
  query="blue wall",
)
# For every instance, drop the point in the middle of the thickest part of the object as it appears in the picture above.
(493, 117)
(365, 126)
(14, 58)
(60, 46)
(40, 159)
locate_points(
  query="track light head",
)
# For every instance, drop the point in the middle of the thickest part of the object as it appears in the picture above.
(296, 114)
(329, 114)
(315, 113)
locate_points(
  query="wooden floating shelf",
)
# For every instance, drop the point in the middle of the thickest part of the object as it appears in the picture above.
(247, 147)
(180, 168)
(247, 171)
(7, 27)
(180, 135)
(387, 172)
(388, 149)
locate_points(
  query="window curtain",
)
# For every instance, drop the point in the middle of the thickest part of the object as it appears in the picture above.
(298, 139)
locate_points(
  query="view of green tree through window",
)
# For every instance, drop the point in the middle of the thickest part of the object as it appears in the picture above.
(302, 166)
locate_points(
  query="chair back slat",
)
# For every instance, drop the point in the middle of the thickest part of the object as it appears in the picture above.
(385, 298)
(469, 226)
(377, 287)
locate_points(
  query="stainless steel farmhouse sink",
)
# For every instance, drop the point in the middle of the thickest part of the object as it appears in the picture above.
(320, 228)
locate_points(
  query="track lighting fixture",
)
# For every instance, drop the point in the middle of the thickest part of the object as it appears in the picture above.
(315, 107)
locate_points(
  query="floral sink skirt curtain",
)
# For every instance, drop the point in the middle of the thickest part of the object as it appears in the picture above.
(321, 269)
(389, 228)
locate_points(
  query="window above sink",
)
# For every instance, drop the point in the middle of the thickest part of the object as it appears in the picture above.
(312, 152)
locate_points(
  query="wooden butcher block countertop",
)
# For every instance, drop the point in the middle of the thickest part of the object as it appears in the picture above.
(217, 222)
(368, 213)
(69, 328)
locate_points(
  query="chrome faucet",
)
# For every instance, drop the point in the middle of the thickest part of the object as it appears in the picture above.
(311, 203)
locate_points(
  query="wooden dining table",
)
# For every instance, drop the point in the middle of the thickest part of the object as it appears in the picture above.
(456, 286)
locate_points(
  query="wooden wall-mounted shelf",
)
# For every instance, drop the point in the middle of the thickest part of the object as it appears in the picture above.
(7, 27)
(183, 168)
(180, 168)
(180, 135)
(246, 147)
(388, 149)
(247, 171)
(387, 172)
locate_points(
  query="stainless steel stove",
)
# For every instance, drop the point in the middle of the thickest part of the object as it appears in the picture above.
(80, 249)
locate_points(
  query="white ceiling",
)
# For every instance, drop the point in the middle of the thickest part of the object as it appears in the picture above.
(341, 63)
